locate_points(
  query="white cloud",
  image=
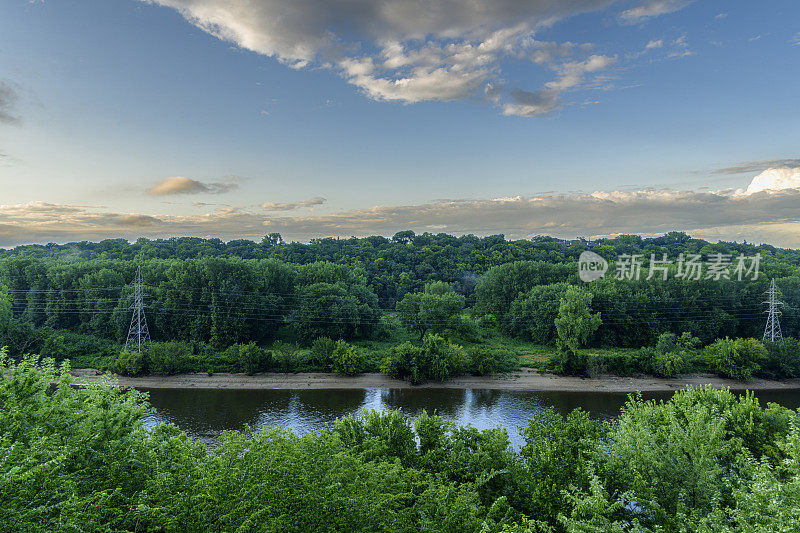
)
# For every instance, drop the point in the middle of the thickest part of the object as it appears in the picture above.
(291, 206)
(406, 50)
(184, 185)
(775, 179)
(652, 8)
(654, 44)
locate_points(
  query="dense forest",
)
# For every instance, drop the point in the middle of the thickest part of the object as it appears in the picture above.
(375, 303)
(80, 459)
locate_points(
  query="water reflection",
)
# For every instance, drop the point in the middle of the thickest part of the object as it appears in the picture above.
(204, 413)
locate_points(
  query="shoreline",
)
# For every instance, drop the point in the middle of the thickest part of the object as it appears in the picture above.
(523, 380)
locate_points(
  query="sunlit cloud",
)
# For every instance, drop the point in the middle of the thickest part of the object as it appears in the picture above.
(184, 185)
(291, 206)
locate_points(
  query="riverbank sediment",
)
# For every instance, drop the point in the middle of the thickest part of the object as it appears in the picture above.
(525, 379)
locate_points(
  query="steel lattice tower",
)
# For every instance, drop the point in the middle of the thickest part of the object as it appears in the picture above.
(138, 334)
(772, 331)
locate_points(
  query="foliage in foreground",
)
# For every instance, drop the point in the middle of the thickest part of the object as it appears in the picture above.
(79, 458)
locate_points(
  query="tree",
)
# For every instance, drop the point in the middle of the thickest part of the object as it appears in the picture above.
(272, 239)
(437, 309)
(575, 325)
(336, 311)
(5, 313)
(404, 237)
(533, 314)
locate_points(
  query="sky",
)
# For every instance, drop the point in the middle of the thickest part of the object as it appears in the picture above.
(318, 118)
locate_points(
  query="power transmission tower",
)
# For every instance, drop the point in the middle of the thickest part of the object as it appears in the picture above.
(138, 334)
(772, 331)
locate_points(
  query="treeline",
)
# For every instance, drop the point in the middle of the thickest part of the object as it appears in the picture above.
(463, 290)
(404, 263)
(80, 458)
(223, 301)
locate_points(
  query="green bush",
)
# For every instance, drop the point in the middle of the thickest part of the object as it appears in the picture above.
(251, 358)
(128, 364)
(169, 357)
(321, 352)
(285, 356)
(482, 362)
(673, 353)
(347, 359)
(435, 360)
(782, 359)
(61, 345)
(735, 358)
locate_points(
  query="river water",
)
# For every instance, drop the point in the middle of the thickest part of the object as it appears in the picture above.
(204, 413)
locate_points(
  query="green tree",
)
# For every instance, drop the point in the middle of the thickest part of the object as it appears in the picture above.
(335, 310)
(272, 239)
(437, 309)
(5, 313)
(533, 314)
(575, 325)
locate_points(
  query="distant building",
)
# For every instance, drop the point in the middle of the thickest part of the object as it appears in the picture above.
(577, 242)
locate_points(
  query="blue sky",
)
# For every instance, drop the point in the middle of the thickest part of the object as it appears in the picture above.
(333, 117)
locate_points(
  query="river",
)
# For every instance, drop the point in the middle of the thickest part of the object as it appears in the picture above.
(204, 413)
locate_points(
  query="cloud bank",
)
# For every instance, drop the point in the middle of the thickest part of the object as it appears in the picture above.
(184, 185)
(417, 50)
(767, 212)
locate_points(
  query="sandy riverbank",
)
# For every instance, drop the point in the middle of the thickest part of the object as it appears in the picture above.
(525, 379)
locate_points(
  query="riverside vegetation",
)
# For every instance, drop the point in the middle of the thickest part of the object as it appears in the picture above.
(419, 307)
(78, 458)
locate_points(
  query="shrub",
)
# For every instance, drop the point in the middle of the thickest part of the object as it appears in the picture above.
(346, 359)
(168, 357)
(321, 352)
(251, 358)
(62, 345)
(672, 354)
(285, 356)
(736, 359)
(128, 364)
(481, 362)
(435, 360)
(782, 359)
